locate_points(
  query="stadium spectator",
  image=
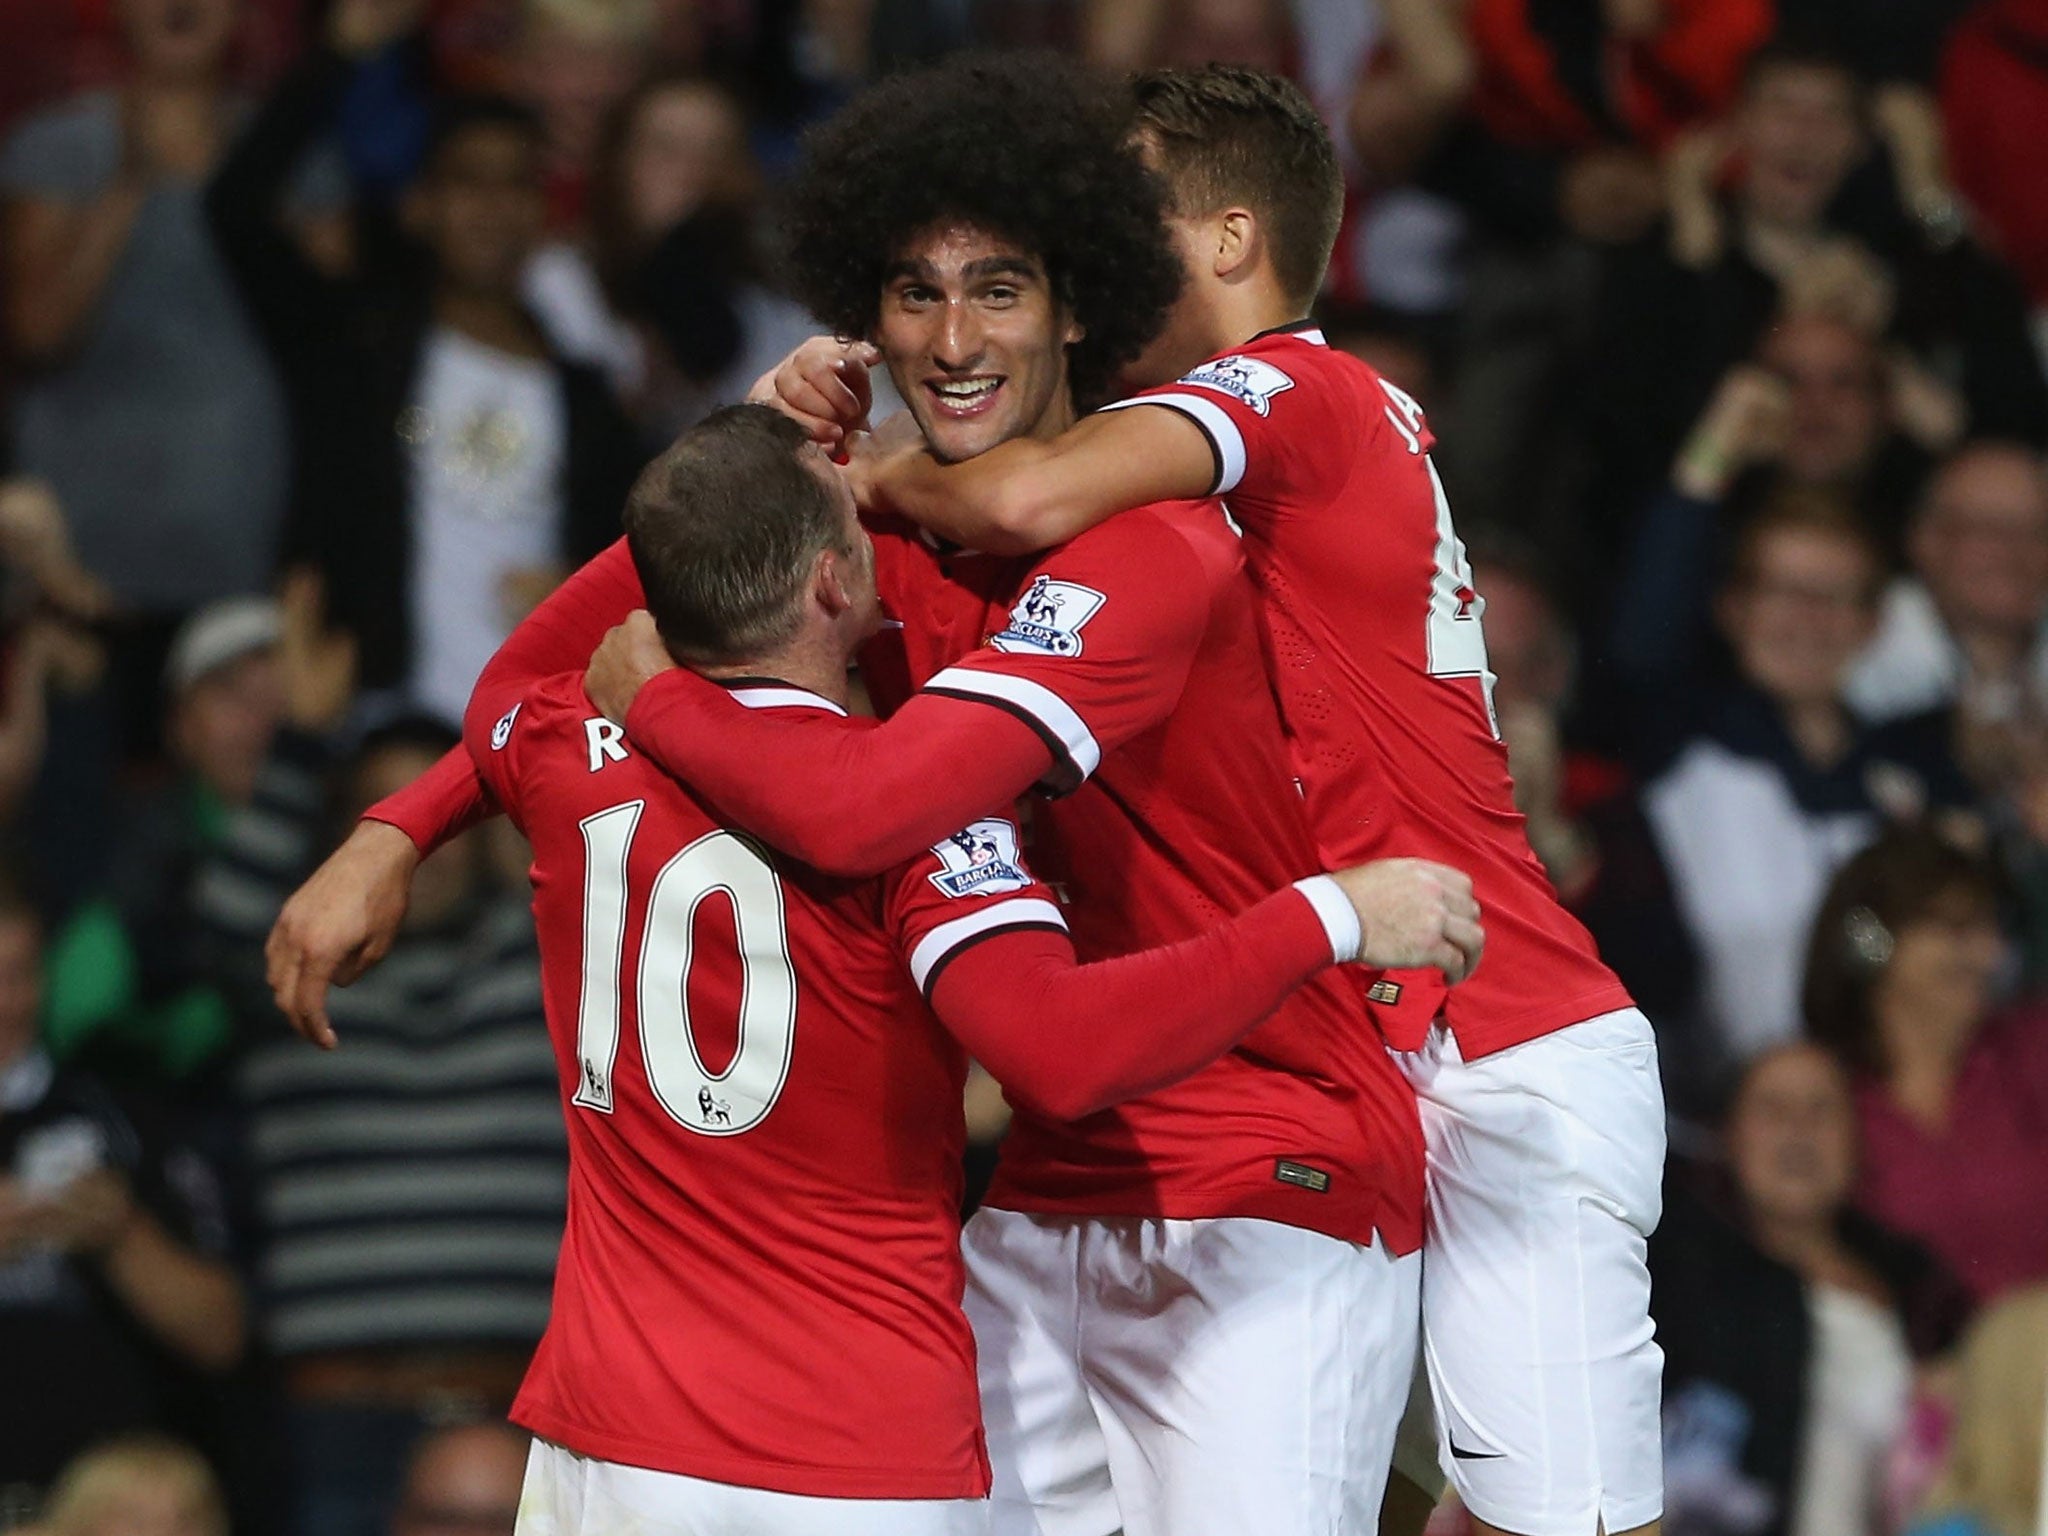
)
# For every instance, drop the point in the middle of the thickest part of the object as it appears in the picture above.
(1767, 215)
(1844, 1312)
(450, 461)
(1952, 1092)
(1876, 1302)
(1965, 629)
(463, 1481)
(1777, 783)
(1809, 420)
(56, 759)
(112, 1285)
(670, 300)
(1997, 1473)
(1557, 158)
(129, 992)
(409, 1187)
(573, 59)
(148, 403)
(1569, 114)
(1991, 79)
(136, 1485)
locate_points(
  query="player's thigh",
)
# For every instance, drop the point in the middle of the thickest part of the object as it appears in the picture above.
(1252, 1374)
(1545, 1166)
(1045, 1444)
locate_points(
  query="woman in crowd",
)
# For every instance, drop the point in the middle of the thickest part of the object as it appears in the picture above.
(1875, 1301)
(1804, 1320)
(668, 299)
(1952, 1092)
(149, 405)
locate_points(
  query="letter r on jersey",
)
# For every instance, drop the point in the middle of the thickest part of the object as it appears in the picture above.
(607, 742)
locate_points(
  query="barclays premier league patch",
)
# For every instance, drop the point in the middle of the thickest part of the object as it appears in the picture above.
(980, 860)
(1244, 378)
(1049, 618)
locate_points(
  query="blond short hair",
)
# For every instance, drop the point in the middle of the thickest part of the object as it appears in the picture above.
(1994, 1464)
(98, 1478)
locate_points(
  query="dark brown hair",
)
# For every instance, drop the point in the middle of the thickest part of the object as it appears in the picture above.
(1027, 146)
(1897, 881)
(724, 528)
(1805, 509)
(1226, 135)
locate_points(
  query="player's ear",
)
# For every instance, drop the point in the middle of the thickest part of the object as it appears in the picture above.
(1075, 330)
(831, 586)
(1237, 240)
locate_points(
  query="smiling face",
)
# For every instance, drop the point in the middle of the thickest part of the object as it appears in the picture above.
(976, 341)
(479, 207)
(1799, 135)
(1800, 612)
(1981, 544)
(1792, 1136)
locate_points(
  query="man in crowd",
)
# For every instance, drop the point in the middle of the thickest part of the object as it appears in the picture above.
(449, 461)
(408, 1197)
(113, 1269)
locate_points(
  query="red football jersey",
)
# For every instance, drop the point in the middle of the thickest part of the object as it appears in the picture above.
(1379, 661)
(760, 1279)
(1133, 652)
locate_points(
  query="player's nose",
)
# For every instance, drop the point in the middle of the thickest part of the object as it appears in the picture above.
(957, 341)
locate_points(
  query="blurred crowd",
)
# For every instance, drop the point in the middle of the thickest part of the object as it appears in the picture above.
(334, 335)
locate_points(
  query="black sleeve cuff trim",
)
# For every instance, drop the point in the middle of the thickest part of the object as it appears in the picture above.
(931, 977)
(1066, 775)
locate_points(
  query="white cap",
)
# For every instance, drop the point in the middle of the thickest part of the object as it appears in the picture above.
(220, 633)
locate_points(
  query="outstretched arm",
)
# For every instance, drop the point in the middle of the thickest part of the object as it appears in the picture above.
(841, 795)
(1066, 1040)
(558, 636)
(1025, 495)
(343, 919)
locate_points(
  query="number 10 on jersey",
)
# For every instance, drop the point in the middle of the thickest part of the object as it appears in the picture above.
(710, 1104)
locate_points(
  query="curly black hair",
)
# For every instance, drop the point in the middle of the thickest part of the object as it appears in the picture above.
(1027, 146)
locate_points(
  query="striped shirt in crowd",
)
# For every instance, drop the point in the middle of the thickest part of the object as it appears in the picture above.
(410, 1186)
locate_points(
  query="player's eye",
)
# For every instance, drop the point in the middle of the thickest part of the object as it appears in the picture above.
(916, 296)
(1002, 295)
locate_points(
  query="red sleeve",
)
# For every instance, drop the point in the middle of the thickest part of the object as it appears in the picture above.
(445, 801)
(1067, 1040)
(1271, 413)
(1098, 646)
(1097, 650)
(557, 636)
(845, 796)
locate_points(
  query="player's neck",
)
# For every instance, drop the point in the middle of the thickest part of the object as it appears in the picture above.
(803, 663)
(1250, 308)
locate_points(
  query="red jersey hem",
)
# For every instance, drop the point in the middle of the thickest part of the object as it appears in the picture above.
(1485, 1039)
(743, 1472)
(1399, 1238)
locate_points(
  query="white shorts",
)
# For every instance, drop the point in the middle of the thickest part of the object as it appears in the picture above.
(570, 1495)
(1546, 1165)
(1186, 1378)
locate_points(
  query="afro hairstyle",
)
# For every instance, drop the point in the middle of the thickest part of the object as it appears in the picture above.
(1027, 146)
